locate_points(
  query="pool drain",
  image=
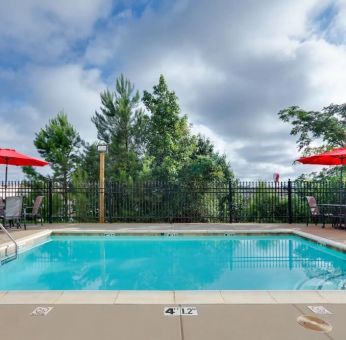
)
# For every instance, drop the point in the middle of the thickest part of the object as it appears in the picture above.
(314, 323)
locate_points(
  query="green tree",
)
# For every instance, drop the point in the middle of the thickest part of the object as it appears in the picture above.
(59, 144)
(83, 196)
(120, 124)
(327, 125)
(265, 204)
(205, 164)
(204, 147)
(32, 175)
(169, 143)
(89, 163)
(205, 169)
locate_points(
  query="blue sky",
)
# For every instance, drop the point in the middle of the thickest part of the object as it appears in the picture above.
(233, 64)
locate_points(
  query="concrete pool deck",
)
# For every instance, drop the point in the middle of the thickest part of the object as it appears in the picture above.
(148, 322)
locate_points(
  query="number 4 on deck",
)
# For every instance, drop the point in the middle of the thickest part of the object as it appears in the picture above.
(171, 311)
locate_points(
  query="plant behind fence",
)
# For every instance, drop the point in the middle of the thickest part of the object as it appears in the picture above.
(264, 202)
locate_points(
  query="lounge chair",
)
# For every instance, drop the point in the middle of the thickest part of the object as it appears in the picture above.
(35, 211)
(13, 211)
(316, 214)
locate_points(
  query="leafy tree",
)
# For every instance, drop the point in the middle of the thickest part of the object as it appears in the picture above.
(204, 147)
(265, 205)
(59, 144)
(206, 164)
(327, 125)
(169, 143)
(82, 196)
(32, 175)
(89, 163)
(120, 124)
(205, 169)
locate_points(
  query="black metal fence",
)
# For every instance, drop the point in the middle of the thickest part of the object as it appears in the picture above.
(234, 201)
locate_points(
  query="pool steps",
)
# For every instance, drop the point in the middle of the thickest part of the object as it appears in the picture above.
(9, 249)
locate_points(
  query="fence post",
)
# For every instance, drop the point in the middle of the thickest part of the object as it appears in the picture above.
(50, 201)
(230, 201)
(289, 189)
(170, 218)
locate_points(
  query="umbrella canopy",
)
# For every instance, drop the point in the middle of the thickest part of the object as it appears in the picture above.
(12, 157)
(333, 157)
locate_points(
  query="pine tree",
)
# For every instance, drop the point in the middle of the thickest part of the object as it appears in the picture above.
(120, 124)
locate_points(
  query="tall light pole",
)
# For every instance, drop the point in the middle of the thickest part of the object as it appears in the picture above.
(102, 149)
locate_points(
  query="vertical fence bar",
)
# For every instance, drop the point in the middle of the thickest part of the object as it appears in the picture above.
(50, 201)
(230, 202)
(289, 201)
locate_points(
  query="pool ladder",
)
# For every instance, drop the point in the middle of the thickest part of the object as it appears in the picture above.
(12, 257)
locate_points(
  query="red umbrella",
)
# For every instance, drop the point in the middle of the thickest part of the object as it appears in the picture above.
(333, 157)
(12, 157)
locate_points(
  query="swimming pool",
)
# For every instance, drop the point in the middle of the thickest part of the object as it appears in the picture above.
(278, 262)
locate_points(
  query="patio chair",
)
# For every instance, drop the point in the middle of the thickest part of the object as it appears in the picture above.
(34, 212)
(316, 214)
(13, 211)
(338, 216)
(2, 206)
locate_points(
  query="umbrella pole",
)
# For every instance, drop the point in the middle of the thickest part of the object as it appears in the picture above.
(341, 171)
(341, 181)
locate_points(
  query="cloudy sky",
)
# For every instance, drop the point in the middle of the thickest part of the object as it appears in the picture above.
(233, 64)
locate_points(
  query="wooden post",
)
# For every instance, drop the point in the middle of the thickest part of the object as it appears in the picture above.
(102, 188)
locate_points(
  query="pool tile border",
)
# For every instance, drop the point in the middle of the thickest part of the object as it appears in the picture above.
(198, 297)
(30, 297)
(172, 297)
(168, 297)
(87, 297)
(247, 297)
(145, 297)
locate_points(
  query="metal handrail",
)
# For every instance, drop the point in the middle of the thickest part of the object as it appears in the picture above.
(12, 239)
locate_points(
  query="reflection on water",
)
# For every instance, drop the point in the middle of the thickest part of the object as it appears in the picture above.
(174, 263)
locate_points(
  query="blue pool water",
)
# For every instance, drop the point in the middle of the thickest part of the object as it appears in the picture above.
(176, 263)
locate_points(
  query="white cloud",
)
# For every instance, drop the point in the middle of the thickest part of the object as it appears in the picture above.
(325, 72)
(233, 64)
(186, 73)
(69, 88)
(45, 28)
(8, 135)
